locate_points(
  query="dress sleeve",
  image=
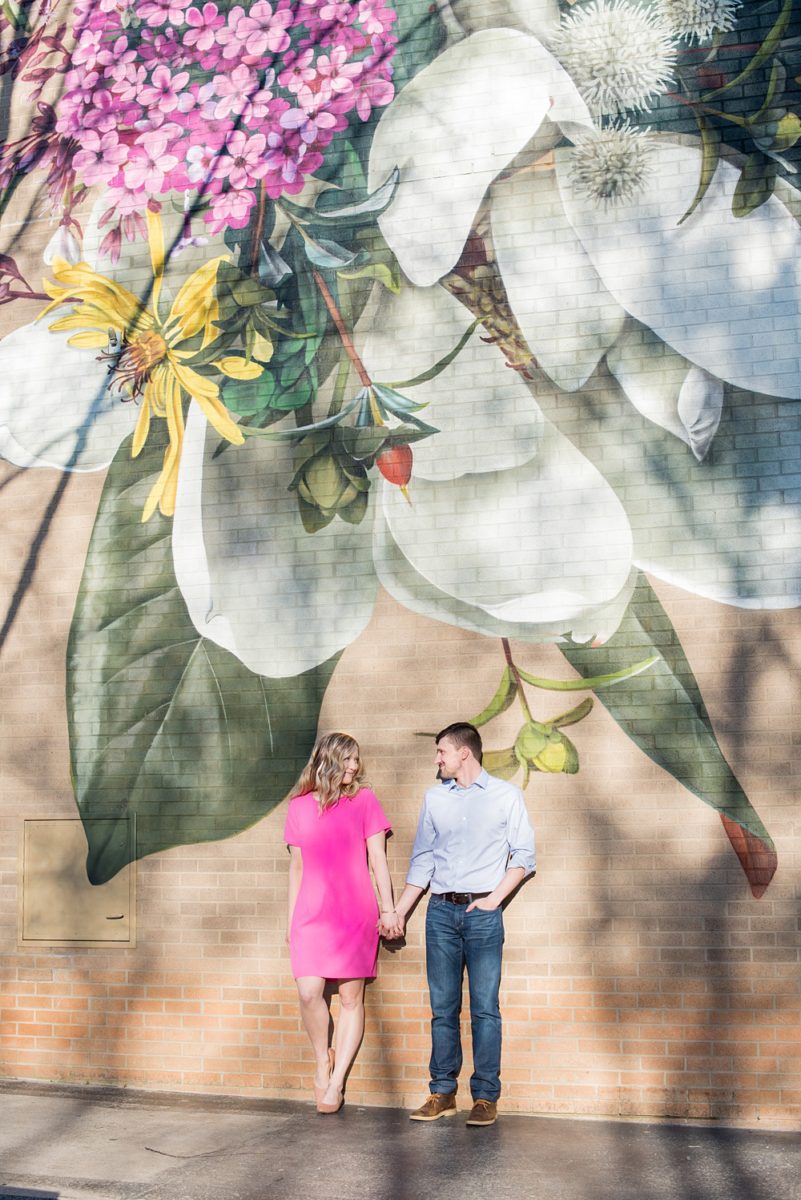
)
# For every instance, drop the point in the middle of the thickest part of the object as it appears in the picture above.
(291, 832)
(373, 816)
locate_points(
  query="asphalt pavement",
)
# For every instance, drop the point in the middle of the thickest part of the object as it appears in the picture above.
(69, 1143)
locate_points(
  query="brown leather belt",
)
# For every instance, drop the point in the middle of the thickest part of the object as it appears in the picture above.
(460, 897)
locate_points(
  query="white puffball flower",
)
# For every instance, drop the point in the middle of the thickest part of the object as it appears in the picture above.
(698, 20)
(611, 165)
(619, 55)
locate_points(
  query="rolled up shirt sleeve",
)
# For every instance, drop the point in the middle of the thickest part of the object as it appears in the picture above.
(521, 837)
(421, 863)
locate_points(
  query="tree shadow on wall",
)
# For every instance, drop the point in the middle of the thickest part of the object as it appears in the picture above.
(701, 985)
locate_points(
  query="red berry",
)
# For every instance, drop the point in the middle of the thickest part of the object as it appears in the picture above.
(395, 464)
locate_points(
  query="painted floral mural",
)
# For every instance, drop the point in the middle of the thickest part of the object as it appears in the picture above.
(493, 303)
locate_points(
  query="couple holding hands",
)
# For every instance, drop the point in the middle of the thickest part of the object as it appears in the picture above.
(474, 846)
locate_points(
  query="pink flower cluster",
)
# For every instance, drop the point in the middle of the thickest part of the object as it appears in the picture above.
(216, 98)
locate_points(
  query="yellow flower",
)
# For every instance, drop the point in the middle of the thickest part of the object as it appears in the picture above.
(148, 360)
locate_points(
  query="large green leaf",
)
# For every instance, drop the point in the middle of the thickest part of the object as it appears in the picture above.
(662, 710)
(165, 726)
(421, 35)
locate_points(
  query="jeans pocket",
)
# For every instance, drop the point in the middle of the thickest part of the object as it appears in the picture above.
(493, 914)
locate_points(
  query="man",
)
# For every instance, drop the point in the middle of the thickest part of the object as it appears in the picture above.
(474, 846)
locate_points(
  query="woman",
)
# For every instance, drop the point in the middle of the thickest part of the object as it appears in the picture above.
(334, 825)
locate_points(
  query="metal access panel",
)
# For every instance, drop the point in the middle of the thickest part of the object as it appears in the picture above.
(58, 905)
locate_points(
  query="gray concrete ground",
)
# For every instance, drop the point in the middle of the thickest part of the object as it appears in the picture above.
(59, 1143)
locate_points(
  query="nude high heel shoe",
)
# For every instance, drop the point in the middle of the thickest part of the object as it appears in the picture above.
(322, 1107)
(319, 1092)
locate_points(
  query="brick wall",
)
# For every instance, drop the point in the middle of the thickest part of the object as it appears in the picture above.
(641, 977)
(573, 461)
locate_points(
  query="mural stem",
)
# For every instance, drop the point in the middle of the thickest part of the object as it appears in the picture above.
(258, 233)
(336, 317)
(507, 650)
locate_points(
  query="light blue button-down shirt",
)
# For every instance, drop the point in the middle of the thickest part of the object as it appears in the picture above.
(468, 837)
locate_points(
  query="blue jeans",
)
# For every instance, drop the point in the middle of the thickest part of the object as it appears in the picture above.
(456, 939)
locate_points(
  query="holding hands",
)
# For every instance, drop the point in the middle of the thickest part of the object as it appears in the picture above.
(390, 925)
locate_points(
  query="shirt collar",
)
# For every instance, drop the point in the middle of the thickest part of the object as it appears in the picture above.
(481, 780)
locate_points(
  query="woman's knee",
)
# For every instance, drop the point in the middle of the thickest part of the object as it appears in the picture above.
(351, 998)
(309, 994)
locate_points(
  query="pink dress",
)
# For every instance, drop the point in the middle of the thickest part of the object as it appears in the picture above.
(333, 932)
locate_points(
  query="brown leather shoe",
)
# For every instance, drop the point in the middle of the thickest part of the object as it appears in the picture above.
(437, 1105)
(483, 1112)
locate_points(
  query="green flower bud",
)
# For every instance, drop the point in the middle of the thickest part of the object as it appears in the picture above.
(543, 748)
(324, 484)
(329, 482)
(531, 741)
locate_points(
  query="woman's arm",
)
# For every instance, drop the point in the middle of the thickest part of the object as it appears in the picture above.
(295, 876)
(377, 855)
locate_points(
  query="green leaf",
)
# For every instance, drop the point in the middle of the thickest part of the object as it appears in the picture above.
(313, 518)
(571, 763)
(776, 84)
(385, 273)
(300, 393)
(288, 347)
(17, 19)
(313, 313)
(421, 33)
(247, 292)
(710, 154)
(771, 43)
(755, 185)
(300, 431)
(329, 255)
(249, 396)
(439, 366)
(787, 133)
(502, 763)
(507, 690)
(396, 403)
(364, 441)
(165, 726)
(582, 685)
(355, 512)
(574, 714)
(273, 269)
(290, 370)
(362, 212)
(663, 711)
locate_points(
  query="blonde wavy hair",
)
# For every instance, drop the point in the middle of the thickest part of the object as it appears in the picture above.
(325, 770)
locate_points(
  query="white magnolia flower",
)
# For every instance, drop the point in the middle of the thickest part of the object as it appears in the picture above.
(722, 293)
(55, 407)
(510, 531)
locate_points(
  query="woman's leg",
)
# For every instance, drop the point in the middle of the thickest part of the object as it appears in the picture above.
(349, 1032)
(315, 1017)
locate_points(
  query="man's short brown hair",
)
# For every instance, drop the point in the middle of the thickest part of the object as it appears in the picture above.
(462, 733)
